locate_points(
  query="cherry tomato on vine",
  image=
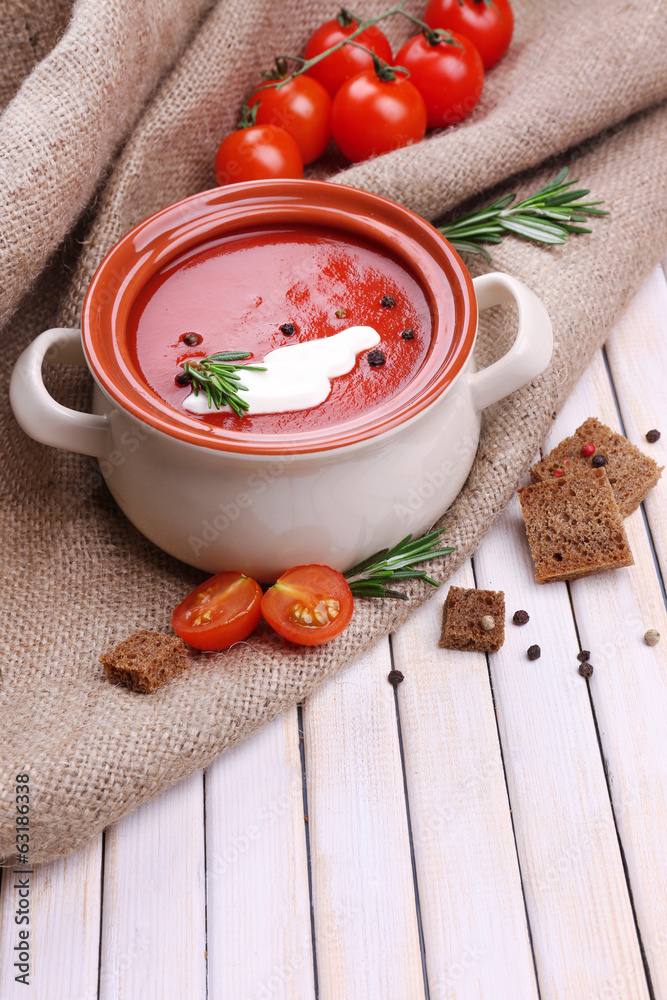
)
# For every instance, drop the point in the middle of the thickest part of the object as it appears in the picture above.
(302, 107)
(221, 611)
(371, 116)
(342, 65)
(308, 605)
(256, 153)
(449, 78)
(487, 23)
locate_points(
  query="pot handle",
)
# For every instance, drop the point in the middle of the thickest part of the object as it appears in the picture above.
(37, 412)
(531, 351)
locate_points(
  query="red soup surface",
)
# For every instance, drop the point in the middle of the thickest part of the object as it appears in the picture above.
(236, 292)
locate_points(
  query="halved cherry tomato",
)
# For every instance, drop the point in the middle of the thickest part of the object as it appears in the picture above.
(308, 605)
(257, 153)
(221, 611)
(302, 107)
(347, 61)
(371, 116)
(487, 23)
(449, 77)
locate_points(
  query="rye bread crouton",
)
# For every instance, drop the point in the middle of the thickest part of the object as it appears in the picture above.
(631, 473)
(145, 661)
(574, 527)
(462, 620)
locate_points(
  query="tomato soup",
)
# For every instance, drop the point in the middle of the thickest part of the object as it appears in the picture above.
(235, 294)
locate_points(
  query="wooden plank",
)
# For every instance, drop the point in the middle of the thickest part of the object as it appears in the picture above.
(154, 909)
(578, 904)
(629, 688)
(473, 915)
(65, 928)
(637, 353)
(363, 893)
(259, 930)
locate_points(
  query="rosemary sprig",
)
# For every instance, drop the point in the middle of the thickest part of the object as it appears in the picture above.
(216, 376)
(548, 216)
(368, 578)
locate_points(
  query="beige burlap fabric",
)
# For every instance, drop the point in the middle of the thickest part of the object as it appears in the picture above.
(155, 84)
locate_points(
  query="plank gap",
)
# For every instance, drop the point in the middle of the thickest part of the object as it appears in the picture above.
(420, 931)
(509, 805)
(304, 792)
(99, 947)
(656, 561)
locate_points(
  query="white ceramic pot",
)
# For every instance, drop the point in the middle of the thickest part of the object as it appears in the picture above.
(257, 507)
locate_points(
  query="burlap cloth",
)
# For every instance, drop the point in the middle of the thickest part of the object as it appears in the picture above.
(115, 109)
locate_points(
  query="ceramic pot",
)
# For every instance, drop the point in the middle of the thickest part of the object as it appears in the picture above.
(260, 503)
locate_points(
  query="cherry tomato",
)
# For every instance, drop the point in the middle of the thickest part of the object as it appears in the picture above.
(487, 23)
(302, 107)
(221, 611)
(308, 605)
(450, 79)
(255, 153)
(372, 116)
(342, 65)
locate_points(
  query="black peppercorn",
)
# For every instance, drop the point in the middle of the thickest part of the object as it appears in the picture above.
(192, 339)
(599, 461)
(534, 652)
(388, 301)
(183, 378)
(408, 334)
(584, 655)
(376, 358)
(520, 617)
(395, 677)
(652, 436)
(288, 329)
(586, 669)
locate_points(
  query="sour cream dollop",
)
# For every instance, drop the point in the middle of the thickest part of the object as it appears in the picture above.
(297, 376)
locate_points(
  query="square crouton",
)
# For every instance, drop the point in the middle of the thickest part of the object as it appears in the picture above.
(145, 661)
(465, 615)
(574, 527)
(631, 473)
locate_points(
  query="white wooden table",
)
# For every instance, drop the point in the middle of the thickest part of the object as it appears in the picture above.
(493, 829)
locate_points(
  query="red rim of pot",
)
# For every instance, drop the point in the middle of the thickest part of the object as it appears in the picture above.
(417, 245)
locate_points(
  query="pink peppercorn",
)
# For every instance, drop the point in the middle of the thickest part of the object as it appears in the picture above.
(558, 472)
(587, 449)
